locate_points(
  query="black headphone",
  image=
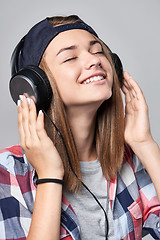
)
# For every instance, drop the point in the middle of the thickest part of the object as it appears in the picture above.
(30, 80)
(34, 82)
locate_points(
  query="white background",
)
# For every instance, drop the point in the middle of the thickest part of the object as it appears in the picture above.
(131, 28)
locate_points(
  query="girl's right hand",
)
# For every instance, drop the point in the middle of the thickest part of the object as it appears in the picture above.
(38, 147)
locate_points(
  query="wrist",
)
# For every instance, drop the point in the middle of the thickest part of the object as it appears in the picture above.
(146, 151)
(51, 175)
(141, 146)
(49, 180)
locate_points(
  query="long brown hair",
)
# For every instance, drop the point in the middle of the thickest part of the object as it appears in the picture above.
(109, 131)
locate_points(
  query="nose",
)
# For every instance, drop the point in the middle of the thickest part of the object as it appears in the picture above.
(92, 61)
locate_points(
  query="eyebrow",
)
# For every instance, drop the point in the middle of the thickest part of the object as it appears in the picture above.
(73, 47)
(67, 48)
(95, 42)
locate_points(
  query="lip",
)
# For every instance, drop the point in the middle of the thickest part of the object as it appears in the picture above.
(100, 82)
(94, 75)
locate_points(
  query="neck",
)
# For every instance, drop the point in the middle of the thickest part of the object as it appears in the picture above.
(82, 122)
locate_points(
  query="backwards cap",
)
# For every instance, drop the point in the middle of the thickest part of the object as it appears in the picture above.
(38, 38)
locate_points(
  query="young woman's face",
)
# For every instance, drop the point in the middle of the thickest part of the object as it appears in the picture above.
(82, 72)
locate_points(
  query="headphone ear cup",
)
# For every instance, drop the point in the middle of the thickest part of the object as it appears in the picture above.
(32, 82)
(118, 67)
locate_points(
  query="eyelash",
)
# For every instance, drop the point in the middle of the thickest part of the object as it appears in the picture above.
(99, 52)
(69, 59)
(73, 58)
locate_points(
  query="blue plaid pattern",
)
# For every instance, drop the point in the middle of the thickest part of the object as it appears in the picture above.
(133, 200)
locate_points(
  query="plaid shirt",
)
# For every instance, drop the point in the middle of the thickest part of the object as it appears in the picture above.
(132, 197)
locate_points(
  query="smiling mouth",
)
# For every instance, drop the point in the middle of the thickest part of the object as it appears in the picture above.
(93, 79)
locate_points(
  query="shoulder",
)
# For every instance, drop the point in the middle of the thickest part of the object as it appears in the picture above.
(16, 173)
(15, 150)
(13, 161)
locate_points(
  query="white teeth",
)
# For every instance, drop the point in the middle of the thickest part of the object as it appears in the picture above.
(93, 79)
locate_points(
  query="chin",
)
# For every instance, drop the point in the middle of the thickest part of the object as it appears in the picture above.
(103, 96)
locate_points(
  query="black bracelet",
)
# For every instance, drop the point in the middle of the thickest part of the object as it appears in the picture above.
(46, 180)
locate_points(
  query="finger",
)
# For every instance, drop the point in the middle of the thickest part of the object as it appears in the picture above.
(128, 85)
(20, 125)
(25, 117)
(132, 90)
(125, 88)
(41, 133)
(126, 76)
(32, 119)
(126, 93)
(138, 99)
(137, 89)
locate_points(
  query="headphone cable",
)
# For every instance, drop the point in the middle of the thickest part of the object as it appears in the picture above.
(61, 136)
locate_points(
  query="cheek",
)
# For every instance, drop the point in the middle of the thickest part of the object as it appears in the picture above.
(107, 67)
(109, 75)
(65, 75)
(66, 81)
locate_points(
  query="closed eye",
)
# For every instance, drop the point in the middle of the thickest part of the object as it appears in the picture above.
(101, 52)
(70, 59)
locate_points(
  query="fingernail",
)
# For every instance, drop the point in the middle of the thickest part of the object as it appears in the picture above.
(28, 100)
(21, 97)
(19, 103)
(40, 112)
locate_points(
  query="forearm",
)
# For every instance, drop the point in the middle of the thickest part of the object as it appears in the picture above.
(149, 155)
(45, 159)
(45, 222)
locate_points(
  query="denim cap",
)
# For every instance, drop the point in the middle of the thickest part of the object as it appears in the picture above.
(38, 38)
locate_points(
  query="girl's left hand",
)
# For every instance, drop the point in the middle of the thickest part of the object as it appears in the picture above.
(137, 130)
(137, 126)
